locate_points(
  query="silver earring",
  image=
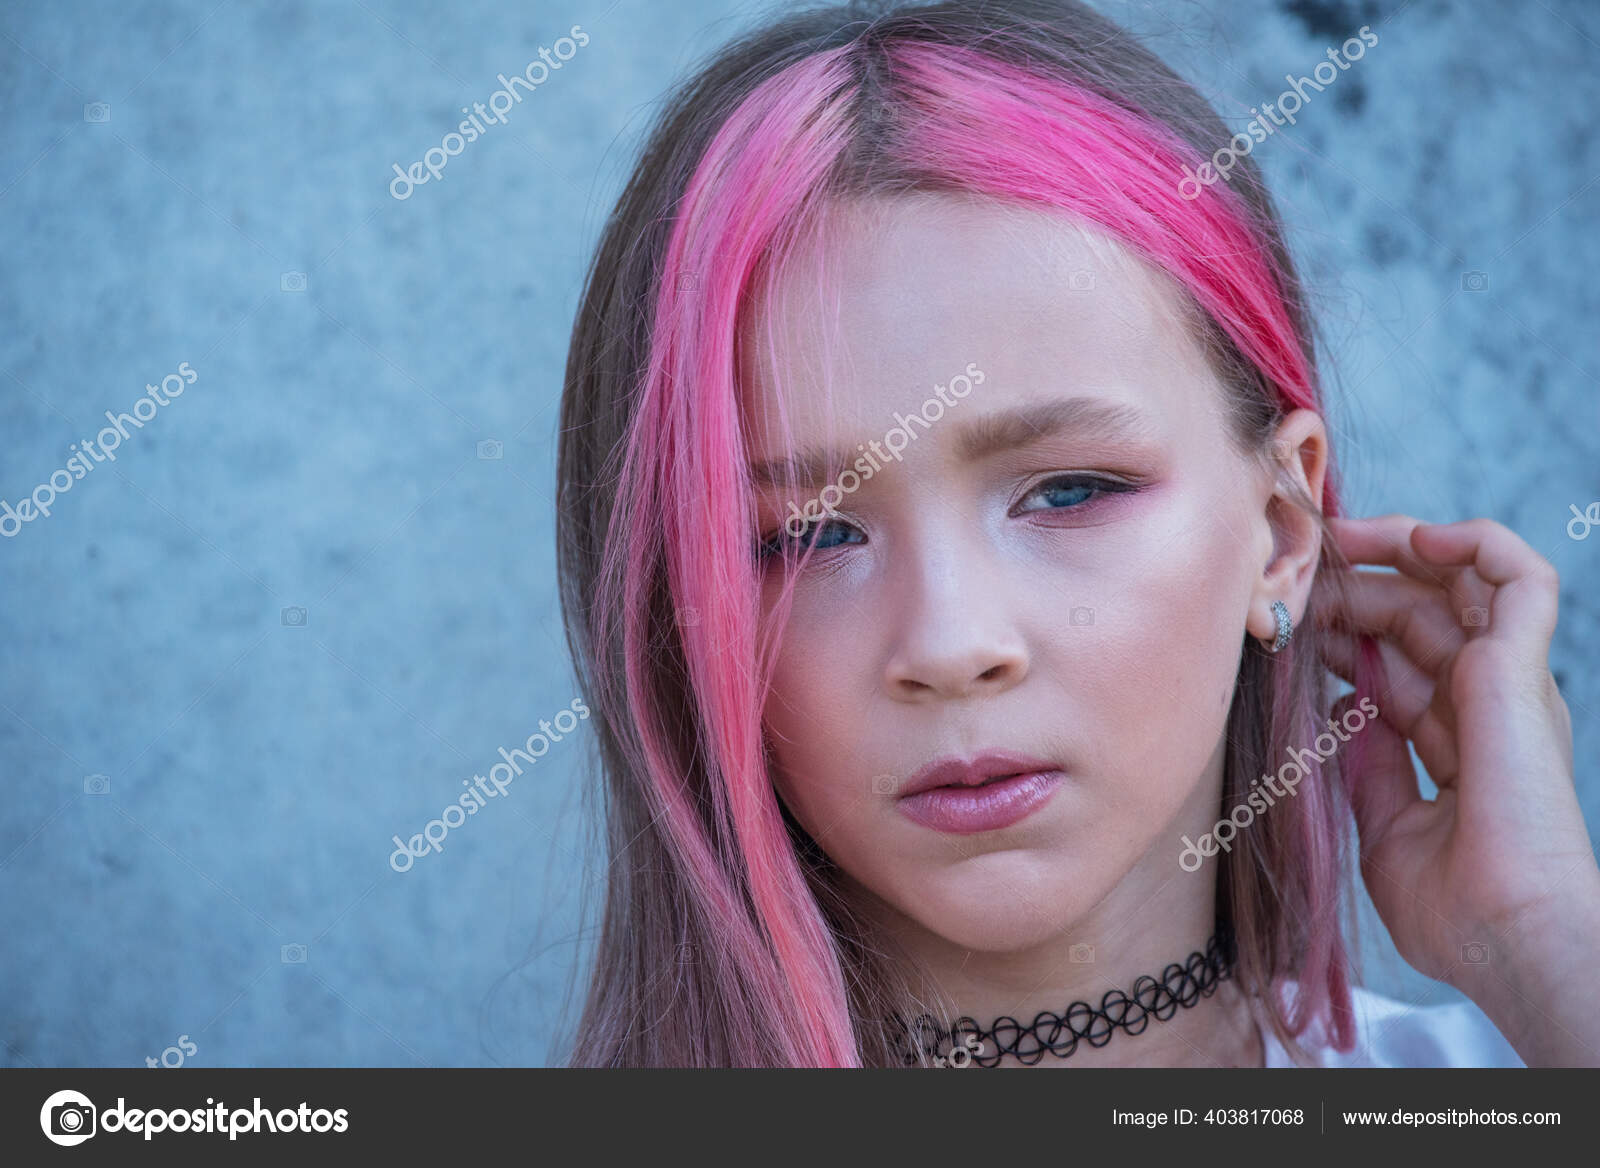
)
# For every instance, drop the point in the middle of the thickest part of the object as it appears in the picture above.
(1280, 610)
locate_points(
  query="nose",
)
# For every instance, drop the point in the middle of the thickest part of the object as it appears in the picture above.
(954, 633)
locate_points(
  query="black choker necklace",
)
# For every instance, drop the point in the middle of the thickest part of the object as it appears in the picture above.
(966, 1043)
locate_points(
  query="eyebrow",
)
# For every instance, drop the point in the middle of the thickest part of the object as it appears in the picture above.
(1089, 418)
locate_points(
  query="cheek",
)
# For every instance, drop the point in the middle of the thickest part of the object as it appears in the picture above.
(1156, 678)
(812, 720)
(823, 674)
(1188, 619)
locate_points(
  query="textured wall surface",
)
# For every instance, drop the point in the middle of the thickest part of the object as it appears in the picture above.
(316, 591)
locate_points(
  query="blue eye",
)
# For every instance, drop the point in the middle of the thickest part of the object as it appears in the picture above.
(1071, 492)
(1063, 493)
(827, 534)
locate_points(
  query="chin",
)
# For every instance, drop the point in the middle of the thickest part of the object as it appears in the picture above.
(1006, 910)
(1000, 931)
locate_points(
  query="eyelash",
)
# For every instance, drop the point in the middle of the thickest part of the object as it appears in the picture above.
(770, 543)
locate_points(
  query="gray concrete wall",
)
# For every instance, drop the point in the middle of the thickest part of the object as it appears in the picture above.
(299, 608)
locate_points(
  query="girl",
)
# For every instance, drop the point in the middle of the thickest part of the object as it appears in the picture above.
(952, 557)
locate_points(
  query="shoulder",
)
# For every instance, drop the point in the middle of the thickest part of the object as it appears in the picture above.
(1391, 1033)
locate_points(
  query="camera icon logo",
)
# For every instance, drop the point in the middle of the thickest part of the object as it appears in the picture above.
(1082, 616)
(1081, 281)
(68, 1118)
(293, 954)
(491, 448)
(97, 784)
(1475, 953)
(97, 111)
(883, 784)
(1476, 616)
(294, 617)
(1081, 954)
(1474, 281)
(688, 282)
(292, 282)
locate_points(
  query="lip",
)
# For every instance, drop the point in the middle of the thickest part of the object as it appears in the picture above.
(993, 791)
(957, 772)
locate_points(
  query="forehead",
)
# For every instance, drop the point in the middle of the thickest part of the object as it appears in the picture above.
(902, 294)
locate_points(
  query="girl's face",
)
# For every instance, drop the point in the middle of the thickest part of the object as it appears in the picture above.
(1059, 565)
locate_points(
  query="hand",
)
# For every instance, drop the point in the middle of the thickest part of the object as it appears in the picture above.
(1501, 858)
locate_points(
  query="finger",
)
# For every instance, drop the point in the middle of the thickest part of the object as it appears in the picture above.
(1385, 540)
(1408, 690)
(1527, 589)
(1386, 784)
(1421, 617)
(1409, 703)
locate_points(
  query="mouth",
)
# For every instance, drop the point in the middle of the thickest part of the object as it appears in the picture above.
(999, 802)
(985, 784)
(988, 793)
(996, 779)
(988, 769)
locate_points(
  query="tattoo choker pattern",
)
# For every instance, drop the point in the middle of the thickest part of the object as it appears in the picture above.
(1180, 985)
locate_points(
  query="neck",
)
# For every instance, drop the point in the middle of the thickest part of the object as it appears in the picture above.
(1083, 964)
(1190, 1012)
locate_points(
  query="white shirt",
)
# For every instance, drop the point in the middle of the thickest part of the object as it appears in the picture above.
(1398, 1034)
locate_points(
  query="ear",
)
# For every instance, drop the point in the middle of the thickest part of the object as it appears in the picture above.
(1299, 455)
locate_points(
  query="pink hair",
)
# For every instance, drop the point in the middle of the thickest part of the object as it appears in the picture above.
(964, 122)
